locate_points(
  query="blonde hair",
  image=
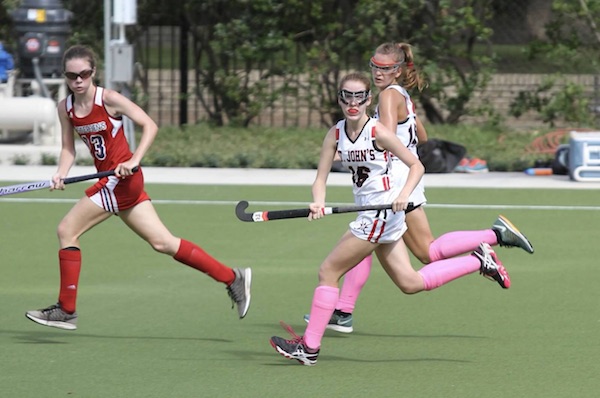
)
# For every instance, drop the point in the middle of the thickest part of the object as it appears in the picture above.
(403, 55)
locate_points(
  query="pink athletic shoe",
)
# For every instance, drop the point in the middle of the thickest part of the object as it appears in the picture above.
(491, 267)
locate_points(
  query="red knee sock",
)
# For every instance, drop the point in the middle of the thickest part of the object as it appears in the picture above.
(70, 267)
(193, 256)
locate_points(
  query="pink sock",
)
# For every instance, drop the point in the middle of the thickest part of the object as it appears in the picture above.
(354, 281)
(459, 242)
(322, 307)
(441, 272)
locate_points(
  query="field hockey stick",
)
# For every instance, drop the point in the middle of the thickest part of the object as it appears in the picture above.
(270, 215)
(33, 186)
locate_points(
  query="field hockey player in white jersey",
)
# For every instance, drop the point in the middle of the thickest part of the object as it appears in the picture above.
(393, 72)
(96, 115)
(364, 146)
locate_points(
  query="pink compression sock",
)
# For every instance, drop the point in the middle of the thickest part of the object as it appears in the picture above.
(354, 281)
(459, 242)
(322, 307)
(441, 272)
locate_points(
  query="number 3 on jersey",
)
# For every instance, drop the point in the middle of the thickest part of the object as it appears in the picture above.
(95, 142)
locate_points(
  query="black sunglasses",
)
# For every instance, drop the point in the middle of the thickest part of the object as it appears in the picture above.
(84, 74)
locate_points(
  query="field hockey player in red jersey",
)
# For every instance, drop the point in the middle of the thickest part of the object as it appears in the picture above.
(95, 115)
(364, 146)
(393, 73)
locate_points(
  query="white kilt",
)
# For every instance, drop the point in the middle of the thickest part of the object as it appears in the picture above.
(378, 226)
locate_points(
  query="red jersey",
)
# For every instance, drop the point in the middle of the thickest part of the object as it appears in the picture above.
(103, 134)
(105, 137)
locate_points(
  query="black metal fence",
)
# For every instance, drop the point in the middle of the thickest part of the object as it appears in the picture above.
(165, 83)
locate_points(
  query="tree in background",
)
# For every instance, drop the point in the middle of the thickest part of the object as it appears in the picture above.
(453, 41)
(246, 55)
(87, 25)
(238, 47)
(341, 35)
(571, 43)
(327, 35)
(6, 24)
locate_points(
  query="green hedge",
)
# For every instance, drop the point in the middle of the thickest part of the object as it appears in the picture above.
(206, 146)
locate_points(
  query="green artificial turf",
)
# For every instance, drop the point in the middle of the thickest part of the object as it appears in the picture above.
(150, 327)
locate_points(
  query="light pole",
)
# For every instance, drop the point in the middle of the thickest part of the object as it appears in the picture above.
(118, 54)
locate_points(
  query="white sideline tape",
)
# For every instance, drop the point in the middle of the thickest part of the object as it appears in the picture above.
(272, 203)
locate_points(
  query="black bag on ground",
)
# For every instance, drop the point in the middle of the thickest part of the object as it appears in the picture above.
(440, 156)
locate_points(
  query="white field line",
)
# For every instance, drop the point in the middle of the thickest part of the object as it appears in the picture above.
(305, 204)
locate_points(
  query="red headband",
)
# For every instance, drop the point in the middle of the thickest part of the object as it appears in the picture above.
(409, 65)
(380, 64)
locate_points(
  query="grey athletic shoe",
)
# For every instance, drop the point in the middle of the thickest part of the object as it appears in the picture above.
(294, 348)
(491, 267)
(54, 316)
(340, 322)
(509, 236)
(239, 290)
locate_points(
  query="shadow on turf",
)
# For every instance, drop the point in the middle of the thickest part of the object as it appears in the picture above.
(49, 337)
(331, 334)
(299, 328)
(416, 336)
(332, 358)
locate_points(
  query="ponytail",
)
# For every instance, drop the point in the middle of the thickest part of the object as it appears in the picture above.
(410, 77)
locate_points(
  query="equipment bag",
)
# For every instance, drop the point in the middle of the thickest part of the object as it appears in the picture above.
(440, 156)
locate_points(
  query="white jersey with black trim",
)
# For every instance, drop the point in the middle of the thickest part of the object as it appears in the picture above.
(370, 166)
(406, 131)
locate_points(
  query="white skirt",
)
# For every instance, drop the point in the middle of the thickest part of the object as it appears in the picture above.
(378, 226)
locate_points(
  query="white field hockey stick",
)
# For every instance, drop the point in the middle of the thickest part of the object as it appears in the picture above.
(34, 186)
(269, 215)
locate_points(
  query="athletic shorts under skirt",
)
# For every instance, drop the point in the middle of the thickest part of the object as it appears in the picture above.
(378, 226)
(115, 194)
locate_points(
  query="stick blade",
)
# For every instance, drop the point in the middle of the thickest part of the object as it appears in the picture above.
(240, 211)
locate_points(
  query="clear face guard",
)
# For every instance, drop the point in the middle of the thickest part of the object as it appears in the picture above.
(359, 96)
(383, 68)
